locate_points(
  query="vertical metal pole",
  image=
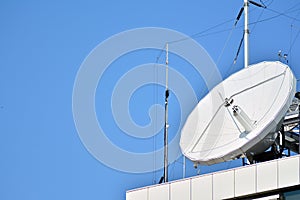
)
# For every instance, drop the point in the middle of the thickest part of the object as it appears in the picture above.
(246, 35)
(183, 169)
(166, 120)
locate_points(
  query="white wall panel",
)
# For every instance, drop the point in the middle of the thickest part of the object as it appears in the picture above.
(288, 172)
(180, 190)
(159, 192)
(245, 180)
(266, 176)
(201, 187)
(223, 185)
(141, 194)
(248, 180)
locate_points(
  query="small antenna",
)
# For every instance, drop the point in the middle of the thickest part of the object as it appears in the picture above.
(279, 55)
(239, 16)
(257, 4)
(166, 118)
(284, 56)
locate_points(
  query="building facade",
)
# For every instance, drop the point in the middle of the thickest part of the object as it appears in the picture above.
(276, 179)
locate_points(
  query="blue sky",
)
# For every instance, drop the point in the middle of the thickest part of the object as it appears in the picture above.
(44, 43)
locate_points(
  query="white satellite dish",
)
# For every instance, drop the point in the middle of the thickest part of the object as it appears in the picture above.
(240, 116)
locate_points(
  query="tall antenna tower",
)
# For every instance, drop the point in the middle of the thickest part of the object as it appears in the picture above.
(166, 119)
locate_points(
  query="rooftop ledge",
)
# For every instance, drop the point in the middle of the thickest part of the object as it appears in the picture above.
(252, 181)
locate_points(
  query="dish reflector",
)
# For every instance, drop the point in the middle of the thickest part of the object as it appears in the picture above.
(240, 116)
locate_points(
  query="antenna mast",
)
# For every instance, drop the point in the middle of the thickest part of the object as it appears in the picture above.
(246, 35)
(166, 119)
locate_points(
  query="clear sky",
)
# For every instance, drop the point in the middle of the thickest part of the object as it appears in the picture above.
(43, 45)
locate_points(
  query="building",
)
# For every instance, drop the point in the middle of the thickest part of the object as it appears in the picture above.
(276, 179)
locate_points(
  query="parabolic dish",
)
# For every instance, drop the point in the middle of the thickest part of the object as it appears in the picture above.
(240, 116)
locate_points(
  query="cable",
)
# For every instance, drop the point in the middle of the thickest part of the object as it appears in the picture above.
(273, 17)
(295, 17)
(291, 37)
(238, 51)
(156, 114)
(285, 15)
(155, 122)
(172, 171)
(266, 2)
(263, 3)
(258, 17)
(292, 44)
(294, 6)
(229, 36)
(213, 33)
(201, 32)
(226, 43)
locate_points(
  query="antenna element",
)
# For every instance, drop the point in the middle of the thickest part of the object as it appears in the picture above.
(166, 119)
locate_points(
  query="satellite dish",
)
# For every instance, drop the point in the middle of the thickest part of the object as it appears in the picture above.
(240, 116)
